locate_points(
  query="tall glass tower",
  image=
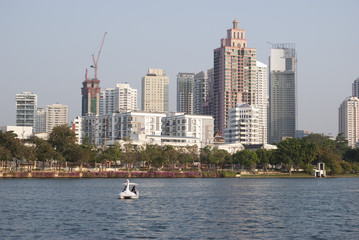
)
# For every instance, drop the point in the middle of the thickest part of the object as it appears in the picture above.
(282, 92)
(185, 82)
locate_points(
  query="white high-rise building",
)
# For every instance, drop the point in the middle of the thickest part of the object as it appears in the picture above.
(261, 100)
(56, 115)
(40, 120)
(349, 120)
(118, 99)
(155, 91)
(77, 129)
(26, 105)
(243, 125)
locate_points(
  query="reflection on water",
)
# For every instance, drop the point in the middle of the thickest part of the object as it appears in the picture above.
(180, 209)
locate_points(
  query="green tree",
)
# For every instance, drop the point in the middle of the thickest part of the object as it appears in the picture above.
(129, 153)
(351, 155)
(44, 152)
(5, 156)
(309, 154)
(74, 156)
(9, 141)
(28, 155)
(341, 145)
(206, 154)
(222, 157)
(264, 156)
(170, 156)
(62, 139)
(151, 155)
(89, 154)
(246, 158)
(113, 153)
(290, 153)
(328, 155)
(187, 155)
(355, 167)
(347, 167)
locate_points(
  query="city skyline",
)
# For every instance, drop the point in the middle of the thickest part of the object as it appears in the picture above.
(47, 53)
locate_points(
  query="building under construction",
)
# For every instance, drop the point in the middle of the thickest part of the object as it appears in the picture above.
(91, 89)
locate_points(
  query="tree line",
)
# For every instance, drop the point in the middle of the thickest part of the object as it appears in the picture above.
(291, 154)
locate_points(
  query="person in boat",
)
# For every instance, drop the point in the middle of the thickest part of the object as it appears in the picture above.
(124, 189)
(134, 190)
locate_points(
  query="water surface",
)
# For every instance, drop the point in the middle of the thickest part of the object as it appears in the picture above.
(180, 209)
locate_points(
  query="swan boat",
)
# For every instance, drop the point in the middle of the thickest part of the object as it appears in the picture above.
(127, 193)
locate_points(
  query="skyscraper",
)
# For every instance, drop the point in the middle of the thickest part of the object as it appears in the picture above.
(355, 88)
(261, 102)
(200, 91)
(56, 115)
(234, 75)
(185, 83)
(282, 92)
(90, 96)
(155, 91)
(26, 105)
(206, 105)
(120, 98)
(349, 120)
(40, 120)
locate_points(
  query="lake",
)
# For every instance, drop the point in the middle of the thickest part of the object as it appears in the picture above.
(220, 208)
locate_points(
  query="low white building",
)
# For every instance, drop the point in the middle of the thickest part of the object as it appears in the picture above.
(22, 132)
(243, 125)
(187, 128)
(134, 125)
(231, 148)
(176, 129)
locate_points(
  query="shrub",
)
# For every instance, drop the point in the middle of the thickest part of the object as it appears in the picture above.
(69, 174)
(347, 167)
(43, 174)
(117, 174)
(227, 174)
(209, 174)
(94, 175)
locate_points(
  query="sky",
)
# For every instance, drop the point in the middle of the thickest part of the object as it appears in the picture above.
(46, 46)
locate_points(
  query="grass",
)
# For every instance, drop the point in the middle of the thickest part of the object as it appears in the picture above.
(282, 175)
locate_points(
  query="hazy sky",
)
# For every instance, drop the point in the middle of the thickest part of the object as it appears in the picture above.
(45, 47)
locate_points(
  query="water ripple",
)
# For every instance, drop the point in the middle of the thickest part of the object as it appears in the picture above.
(180, 209)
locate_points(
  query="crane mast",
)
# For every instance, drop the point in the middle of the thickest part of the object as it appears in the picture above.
(95, 61)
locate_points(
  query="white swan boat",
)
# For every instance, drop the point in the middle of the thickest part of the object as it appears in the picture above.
(128, 193)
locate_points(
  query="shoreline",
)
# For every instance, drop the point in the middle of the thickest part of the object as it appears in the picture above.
(112, 174)
(157, 174)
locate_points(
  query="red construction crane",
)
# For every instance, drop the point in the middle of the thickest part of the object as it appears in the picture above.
(95, 66)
